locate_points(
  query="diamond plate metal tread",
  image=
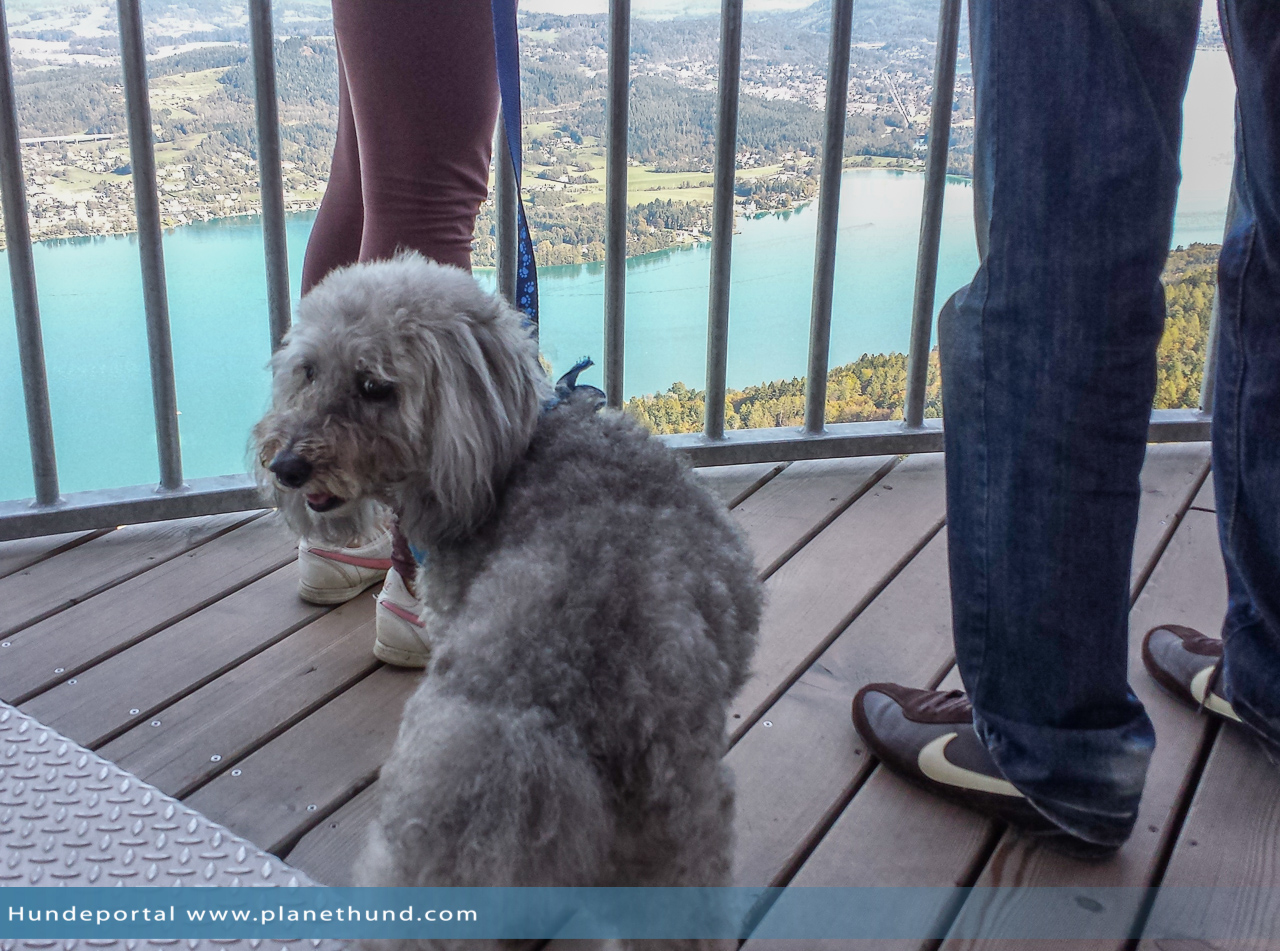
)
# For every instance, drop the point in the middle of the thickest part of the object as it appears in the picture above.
(70, 817)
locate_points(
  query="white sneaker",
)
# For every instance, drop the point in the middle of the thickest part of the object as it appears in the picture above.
(401, 636)
(335, 575)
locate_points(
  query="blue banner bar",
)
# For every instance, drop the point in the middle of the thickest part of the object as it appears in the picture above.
(1196, 914)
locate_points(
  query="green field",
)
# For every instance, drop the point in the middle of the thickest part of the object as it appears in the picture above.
(177, 91)
(643, 184)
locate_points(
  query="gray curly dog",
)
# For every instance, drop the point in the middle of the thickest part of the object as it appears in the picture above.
(591, 609)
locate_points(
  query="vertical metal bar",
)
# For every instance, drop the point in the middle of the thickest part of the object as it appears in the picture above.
(824, 260)
(270, 172)
(722, 215)
(615, 200)
(1210, 376)
(146, 199)
(22, 275)
(504, 200)
(935, 180)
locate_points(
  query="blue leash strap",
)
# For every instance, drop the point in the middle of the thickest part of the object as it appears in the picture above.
(507, 44)
(568, 386)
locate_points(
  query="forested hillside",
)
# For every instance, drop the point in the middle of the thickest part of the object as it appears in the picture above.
(1190, 278)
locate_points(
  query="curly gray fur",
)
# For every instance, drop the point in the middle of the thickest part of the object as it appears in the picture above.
(592, 609)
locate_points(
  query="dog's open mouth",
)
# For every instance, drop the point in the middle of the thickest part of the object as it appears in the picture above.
(323, 502)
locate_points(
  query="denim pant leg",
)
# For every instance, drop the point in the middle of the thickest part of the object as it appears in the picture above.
(1048, 368)
(1246, 421)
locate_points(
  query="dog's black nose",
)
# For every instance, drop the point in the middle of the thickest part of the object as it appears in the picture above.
(290, 468)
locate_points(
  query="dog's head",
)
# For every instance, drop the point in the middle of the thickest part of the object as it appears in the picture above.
(403, 384)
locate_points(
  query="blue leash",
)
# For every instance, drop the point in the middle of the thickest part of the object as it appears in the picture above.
(507, 44)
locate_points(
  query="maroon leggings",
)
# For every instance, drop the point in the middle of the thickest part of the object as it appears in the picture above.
(417, 103)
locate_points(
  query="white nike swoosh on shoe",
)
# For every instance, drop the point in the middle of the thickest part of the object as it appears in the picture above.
(934, 764)
(1210, 701)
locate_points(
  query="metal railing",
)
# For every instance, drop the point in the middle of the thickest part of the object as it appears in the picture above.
(52, 512)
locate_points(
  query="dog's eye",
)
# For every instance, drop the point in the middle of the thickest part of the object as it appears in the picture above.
(309, 371)
(375, 390)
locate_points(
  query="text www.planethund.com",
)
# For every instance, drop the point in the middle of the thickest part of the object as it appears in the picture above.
(264, 916)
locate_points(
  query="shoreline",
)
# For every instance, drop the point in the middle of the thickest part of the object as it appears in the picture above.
(170, 228)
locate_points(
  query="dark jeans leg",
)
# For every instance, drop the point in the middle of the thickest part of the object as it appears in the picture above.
(1048, 362)
(1246, 420)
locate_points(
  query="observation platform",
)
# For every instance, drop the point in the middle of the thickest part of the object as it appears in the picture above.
(181, 652)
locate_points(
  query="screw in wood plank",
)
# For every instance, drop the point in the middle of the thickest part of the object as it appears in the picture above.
(155, 722)
(134, 712)
(235, 772)
(215, 758)
(768, 723)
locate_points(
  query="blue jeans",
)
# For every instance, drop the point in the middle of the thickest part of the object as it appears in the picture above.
(1049, 370)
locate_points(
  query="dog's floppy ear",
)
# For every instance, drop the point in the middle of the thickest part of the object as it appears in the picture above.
(478, 411)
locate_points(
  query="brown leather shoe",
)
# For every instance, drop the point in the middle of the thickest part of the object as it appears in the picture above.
(1187, 664)
(927, 737)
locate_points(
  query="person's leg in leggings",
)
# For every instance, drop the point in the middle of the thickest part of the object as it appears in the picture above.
(1246, 424)
(424, 94)
(335, 235)
(1048, 368)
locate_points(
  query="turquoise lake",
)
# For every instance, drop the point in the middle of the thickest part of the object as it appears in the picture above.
(95, 340)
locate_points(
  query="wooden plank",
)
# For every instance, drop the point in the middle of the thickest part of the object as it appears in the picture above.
(794, 772)
(249, 704)
(886, 821)
(821, 588)
(1187, 587)
(790, 787)
(1228, 843)
(327, 852)
(781, 517)
(24, 552)
(883, 822)
(732, 484)
(288, 786)
(59, 647)
(1170, 474)
(110, 697)
(955, 834)
(57, 583)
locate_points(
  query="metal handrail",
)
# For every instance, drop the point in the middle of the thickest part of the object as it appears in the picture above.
(270, 170)
(51, 512)
(146, 201)
(824, 256)
(722, 215)
(22, 275)
(935, 177)
(615, 200)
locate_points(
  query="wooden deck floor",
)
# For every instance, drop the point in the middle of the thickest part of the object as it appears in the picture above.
(181, 651)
